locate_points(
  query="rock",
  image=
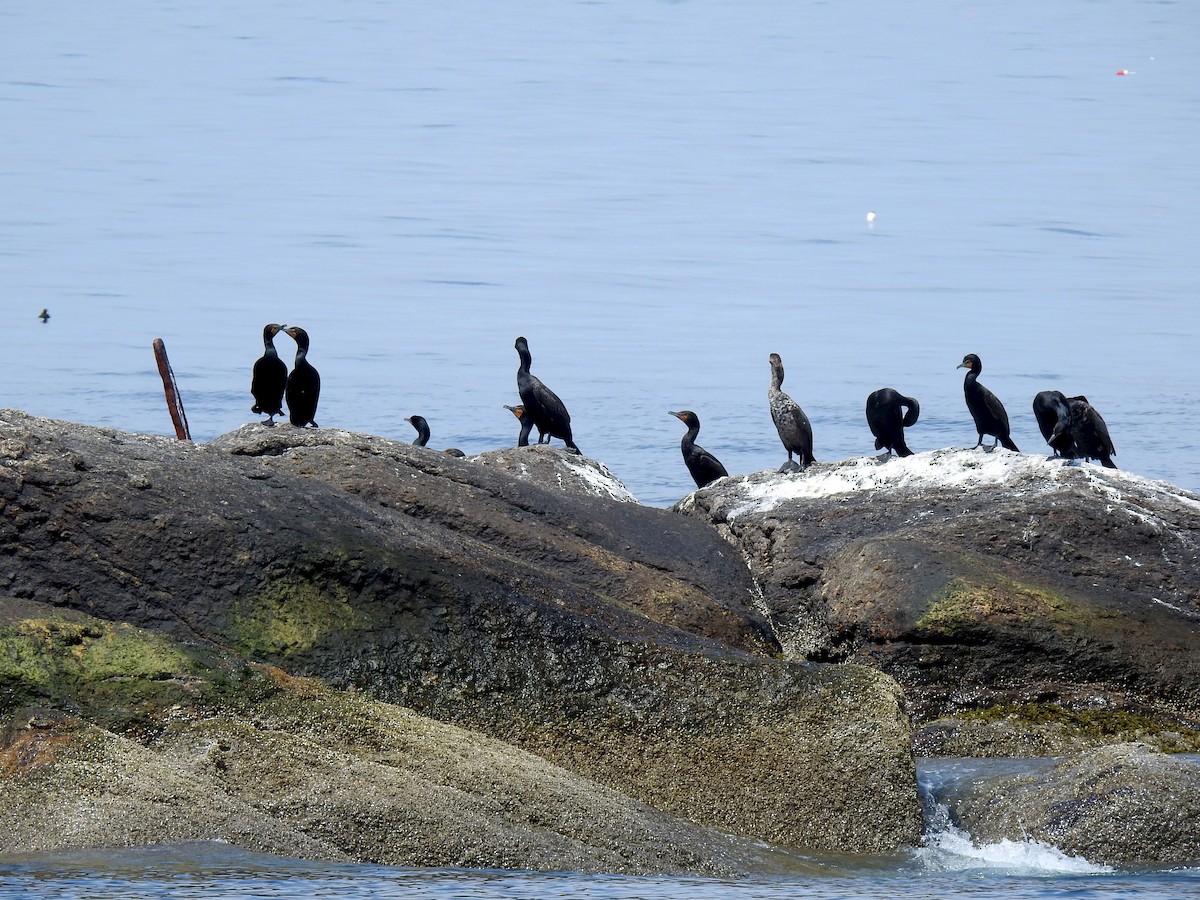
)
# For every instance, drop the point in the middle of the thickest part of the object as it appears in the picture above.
(997, 582)
(1120, 805)
(620, 643)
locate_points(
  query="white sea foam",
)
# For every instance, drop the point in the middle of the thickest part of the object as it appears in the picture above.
(952, 849)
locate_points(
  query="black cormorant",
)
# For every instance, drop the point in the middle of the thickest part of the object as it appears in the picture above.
(1088, 433)
(790, 421)
(1053, 415)
(986, 409)
(705, 467)
(419, 423)
(886, 421)
(422, 438)
(526, 424)
(269, 377)
(44, 315)
(548, 412)
(304, 384)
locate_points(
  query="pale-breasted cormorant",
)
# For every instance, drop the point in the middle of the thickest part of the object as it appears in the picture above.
(986, 409)
(1053, 416)
(548, 412)
(790, 421)
(886, 421)
(303, 384)
(269, 377)
(526, 423)
(705, 467)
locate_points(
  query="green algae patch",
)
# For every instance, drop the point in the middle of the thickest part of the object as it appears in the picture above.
(289, 617)
(967, 606)
(1100, 726)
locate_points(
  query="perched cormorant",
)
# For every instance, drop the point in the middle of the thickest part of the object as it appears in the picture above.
(549, 413)
(304, 384)
(1053, 414)
(526, 424)
(790, 421)
(986, 409)
(44, 315)
(887, 424)
(1088, 433)
(419, 423)
(705, 467)
(422, 438)
(269, 377)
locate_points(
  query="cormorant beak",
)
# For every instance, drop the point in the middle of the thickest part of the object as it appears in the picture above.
(962, 365)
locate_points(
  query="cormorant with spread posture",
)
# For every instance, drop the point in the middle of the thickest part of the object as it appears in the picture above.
(304, 384)
(790, 421)
(986, 409)
(269, 377)
(886, 421)
(422, 438)
(526, 423)
(549, 413)
(1053, 414)
(1088, 432)
(44, 315)
(705, 467)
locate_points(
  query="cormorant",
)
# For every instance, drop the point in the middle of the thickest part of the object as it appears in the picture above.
(422, 438)
(1053, 414)
(1088, 433)
(549, 413)
(986, 409)
(269, 377)
(304, 384)
(419, 423)
(705, 467)
(790, 421)
(887, 424)
(44, 315)
(526, 424)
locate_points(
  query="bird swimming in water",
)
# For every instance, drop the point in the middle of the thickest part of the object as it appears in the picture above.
(886, 421)
(705, 467)
(269, 377)
(985, 407)
(548, 412)
(422, 438)
(526, 424)
(1053, 415)
(790, 421)
(44, 315)
(304, 384)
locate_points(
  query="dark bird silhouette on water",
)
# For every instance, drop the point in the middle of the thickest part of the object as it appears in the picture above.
(790, 421)
(888, 423)
(986, 408)
(704, 467)
(44, 315)
(422, 438)
(548, 412)
(526, 423)
(269, 377)
(1053, 416)
(303, 384)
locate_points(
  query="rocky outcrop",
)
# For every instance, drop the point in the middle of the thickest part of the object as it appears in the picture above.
(996, 588)
(618, 643)
(1120, 805)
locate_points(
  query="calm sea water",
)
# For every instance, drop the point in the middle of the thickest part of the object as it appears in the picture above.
(658, 195)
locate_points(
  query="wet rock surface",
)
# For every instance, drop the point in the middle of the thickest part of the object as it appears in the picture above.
(518, 598)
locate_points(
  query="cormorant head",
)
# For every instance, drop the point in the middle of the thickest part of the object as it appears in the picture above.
(687, 417)
(518, 411)
(971, 361)
(298, 334)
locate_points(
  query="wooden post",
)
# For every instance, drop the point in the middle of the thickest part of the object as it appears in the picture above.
(174, 402)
